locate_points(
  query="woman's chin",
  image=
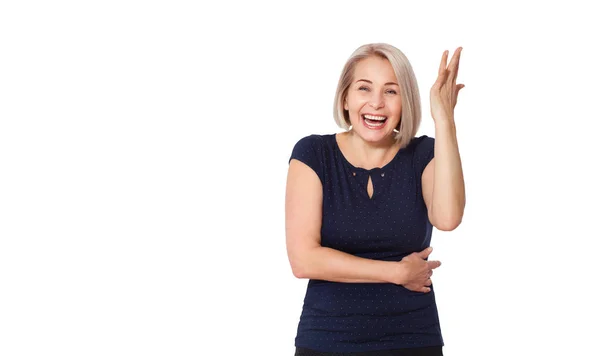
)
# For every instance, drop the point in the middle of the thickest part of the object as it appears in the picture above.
(375, 136)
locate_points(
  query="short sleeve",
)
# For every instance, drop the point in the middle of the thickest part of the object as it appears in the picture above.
(423, 153)
(309, 150)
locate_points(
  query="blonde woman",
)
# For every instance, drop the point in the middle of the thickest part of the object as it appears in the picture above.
(361, 206)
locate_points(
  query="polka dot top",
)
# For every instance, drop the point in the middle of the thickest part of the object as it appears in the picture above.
(393, 223)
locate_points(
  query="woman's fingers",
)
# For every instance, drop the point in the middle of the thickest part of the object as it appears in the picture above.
(419, 288)
(457, 63)
(442, 72)
(433, 264)
(425, 253)
(453, 66)
(447, 72)
(442, 68)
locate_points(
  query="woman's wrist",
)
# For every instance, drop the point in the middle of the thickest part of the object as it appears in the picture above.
(396, 273)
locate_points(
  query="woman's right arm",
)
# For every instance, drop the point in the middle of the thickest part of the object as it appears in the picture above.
(308, 259)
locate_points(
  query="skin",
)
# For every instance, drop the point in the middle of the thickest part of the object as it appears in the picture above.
(442, 181)
(372, 92)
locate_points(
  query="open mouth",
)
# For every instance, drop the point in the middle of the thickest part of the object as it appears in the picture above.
(374, 121)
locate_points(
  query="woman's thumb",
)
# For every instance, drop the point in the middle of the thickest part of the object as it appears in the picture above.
(425, 253)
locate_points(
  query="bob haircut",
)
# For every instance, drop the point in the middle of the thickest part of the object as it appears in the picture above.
(410, 117)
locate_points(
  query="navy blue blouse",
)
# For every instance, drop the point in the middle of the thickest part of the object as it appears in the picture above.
(393, 223)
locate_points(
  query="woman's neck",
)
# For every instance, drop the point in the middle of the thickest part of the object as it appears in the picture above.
(371, 154)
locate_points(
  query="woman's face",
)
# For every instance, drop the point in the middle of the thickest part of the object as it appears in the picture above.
(373, 101)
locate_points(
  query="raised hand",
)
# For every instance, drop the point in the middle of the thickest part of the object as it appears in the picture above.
(444, 91)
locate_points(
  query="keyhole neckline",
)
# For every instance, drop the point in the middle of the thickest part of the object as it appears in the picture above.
(361, 169)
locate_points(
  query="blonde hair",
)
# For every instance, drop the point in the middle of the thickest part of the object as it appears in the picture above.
(410, 118)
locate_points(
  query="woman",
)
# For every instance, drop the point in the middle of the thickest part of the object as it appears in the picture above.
(360, 207)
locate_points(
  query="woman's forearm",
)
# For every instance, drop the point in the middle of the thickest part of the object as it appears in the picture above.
(328, 264)
(448, 201)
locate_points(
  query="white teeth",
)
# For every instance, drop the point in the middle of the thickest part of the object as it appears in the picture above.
(375, 125)
(378, 118)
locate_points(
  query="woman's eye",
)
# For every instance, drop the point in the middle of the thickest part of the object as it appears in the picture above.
(389, 91)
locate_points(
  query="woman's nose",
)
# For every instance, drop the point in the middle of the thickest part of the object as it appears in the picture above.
(376, 101)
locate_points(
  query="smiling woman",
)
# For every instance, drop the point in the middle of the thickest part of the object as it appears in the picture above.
(379, 80)
(360, 214)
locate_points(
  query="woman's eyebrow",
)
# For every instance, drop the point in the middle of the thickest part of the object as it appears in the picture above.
(370, 82)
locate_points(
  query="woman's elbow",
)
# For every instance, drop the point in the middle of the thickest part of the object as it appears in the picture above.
(297, 270)
(298, 265)
(446, 226)
(447, 223)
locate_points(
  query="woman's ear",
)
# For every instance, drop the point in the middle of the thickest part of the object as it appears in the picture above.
(345, 104)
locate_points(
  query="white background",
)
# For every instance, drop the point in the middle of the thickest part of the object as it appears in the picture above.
(144, 149)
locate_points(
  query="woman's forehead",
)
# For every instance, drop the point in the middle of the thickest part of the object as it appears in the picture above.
(375, 70)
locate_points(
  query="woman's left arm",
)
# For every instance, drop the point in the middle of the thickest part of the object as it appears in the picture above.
(442, 180)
